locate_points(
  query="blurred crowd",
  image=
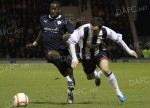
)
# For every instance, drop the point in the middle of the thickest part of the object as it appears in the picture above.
(19, 23)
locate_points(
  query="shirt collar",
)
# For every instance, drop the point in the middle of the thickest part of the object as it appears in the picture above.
(53, 18)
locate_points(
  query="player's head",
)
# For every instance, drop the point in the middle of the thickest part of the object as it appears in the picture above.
(96, 24)
(55, 9)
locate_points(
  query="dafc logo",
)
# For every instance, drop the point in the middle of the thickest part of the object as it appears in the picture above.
(130, 9)
(140, 44)
(11, 104)
(142, 80)
(74, 20)
(14, 67)
(10, 31)
(85, 91)
(70, 19)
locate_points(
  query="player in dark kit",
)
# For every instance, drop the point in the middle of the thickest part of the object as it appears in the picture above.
(53, 27)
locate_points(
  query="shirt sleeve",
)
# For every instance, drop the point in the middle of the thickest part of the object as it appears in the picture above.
(116, 37)
(69, 27)
(111, 34)
(75, 37)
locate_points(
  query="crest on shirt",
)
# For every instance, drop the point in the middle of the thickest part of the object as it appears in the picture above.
(58, 22)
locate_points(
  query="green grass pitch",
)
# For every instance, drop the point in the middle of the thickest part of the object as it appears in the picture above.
(46, 88)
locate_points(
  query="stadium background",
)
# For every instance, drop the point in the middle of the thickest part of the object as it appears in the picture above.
(46, 88)
(19, 23)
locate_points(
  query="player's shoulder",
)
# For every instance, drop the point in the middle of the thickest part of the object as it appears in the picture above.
(84, 26)
(63, 17)
(107, 28)
(88, 25)
(43, 17)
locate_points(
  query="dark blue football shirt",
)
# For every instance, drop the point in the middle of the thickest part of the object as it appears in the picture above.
(53, 30)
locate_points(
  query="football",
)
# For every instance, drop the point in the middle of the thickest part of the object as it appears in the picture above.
(20, 100)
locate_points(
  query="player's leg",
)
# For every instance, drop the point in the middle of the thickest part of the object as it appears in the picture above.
(66, 60)
(89, 67)
(68, 74)
(66, 71)
(104, 65)
(71, 85)
(57, 59)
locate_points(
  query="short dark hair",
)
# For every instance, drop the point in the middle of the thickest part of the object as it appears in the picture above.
(56, 2)
(97, 21)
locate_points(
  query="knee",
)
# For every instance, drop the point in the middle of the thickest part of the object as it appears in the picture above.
(106, 71)
(53, 55)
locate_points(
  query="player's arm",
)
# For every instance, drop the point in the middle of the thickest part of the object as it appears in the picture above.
(38, 39)
(35, 43)
(74, 56)
(118, 39)
(131, 52)
(74, 38)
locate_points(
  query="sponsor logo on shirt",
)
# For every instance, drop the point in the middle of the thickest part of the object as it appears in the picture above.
(56, 30)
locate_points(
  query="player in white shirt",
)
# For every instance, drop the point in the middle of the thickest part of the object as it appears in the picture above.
(92, 51)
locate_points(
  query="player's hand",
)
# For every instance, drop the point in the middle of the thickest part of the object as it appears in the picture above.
(133, 53)
(74, 63)
(30, 46)
(66, 36)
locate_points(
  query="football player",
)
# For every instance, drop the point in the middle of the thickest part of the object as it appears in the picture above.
(91, 38)
(53, 27)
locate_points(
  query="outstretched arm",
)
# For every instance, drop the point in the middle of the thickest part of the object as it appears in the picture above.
(116, 37)
(131, 52)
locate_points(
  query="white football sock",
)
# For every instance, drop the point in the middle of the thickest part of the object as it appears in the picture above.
(68, 78)
(113, 81)
(95, 74)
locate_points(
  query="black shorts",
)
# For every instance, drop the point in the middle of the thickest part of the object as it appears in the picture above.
(89, 65)
(63, 63)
